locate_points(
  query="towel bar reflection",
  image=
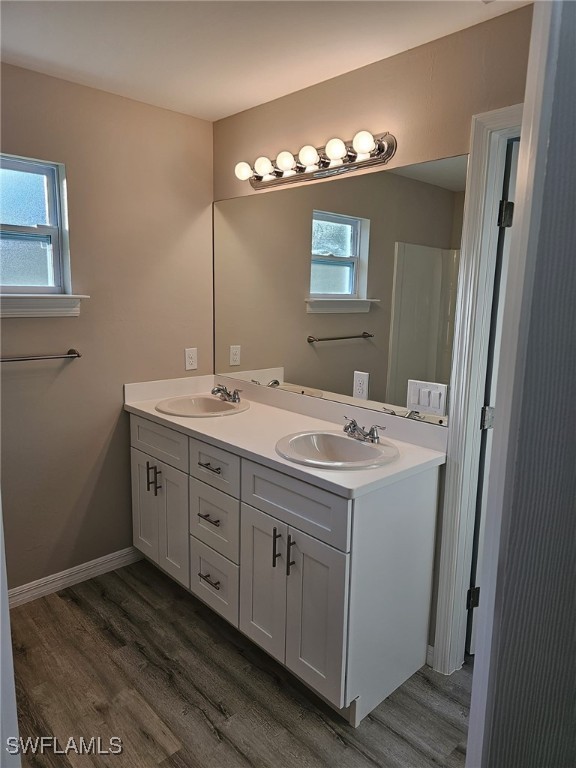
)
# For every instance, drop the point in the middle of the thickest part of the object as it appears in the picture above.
(364, 335)
(70, 355)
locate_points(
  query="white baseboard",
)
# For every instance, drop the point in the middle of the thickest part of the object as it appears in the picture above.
(430, 656)
(56, 581)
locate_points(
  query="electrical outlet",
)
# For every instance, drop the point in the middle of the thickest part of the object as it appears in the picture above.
(191, 358)
(235, 354)
(361, 383)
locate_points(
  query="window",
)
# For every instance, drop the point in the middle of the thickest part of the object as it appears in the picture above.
(339, 265)
(33, 236)
(339, 256)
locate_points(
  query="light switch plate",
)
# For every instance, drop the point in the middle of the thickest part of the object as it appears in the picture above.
(427, 397)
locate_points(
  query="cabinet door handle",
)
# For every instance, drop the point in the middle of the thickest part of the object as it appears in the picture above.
(149, 480)
(206, 578)
(289, 562)
(207, 465)
(157, 486)
(209, 519)
(275, 553)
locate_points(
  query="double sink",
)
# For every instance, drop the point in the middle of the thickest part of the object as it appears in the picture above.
(322, 449)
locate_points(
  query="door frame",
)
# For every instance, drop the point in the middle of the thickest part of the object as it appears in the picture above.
(490, 134)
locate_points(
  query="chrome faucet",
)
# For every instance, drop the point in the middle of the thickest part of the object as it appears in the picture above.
(273, 383)
(353, 429)
(224, 393)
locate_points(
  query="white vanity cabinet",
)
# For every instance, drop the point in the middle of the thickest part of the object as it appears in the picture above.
(215, 527)
(160, 514)
(294, 600)
(335, 588)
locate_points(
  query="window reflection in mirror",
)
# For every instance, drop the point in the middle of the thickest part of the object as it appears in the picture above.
(262, 269)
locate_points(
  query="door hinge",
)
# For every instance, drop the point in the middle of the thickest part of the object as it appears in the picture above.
(505, 213)
(487, 417)
(473, 598)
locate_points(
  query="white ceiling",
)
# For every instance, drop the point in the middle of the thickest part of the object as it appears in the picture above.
(215, 58)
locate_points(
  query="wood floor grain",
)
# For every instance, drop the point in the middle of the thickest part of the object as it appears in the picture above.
(131, 654)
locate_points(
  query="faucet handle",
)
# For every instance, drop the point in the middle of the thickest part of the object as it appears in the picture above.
(236, 395)
(373, 434)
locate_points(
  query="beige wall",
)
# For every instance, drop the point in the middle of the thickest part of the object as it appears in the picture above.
(140, 190)
(425, 97)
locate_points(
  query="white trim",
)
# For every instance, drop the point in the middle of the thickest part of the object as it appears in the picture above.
(40, 305)
(8, 709)
(68, 578)
(340, 306)
(530, 181)
(490, 133)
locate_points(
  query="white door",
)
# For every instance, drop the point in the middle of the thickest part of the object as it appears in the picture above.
(144, 505)
(263, 542)
(173, 538)
(509, 194)
(317, 614)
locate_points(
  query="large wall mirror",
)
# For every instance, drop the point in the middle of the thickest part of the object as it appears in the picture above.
(262, 268)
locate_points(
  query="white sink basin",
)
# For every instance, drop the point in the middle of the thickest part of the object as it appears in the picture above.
(335, 450)
(200, 406)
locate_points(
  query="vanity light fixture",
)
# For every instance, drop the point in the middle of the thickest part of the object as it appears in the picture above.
(312, 163)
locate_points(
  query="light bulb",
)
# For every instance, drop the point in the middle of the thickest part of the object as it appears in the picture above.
(335, 149)
(308, 155)
(243, 171)
(363, 142)
(285, 161)
(263, 166)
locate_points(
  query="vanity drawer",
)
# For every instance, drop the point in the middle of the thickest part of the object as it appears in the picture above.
(215, 519)
(161, 442)
(219, 585)
(319, 513)
(216, 467)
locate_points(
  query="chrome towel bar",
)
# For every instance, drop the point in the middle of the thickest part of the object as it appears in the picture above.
(70, 355)
(364, 335)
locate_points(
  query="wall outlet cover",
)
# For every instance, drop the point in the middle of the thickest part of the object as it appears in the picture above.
(235, 354)
(361, 384)
(191, 358)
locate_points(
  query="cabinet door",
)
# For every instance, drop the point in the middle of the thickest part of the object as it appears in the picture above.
(317, 615)
(263, 580)
(173, 543)
(144, 505)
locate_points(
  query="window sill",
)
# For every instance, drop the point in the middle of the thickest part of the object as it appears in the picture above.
(339, 306)
(40, 304)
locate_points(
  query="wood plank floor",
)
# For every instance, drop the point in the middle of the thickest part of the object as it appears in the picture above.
(133, 655)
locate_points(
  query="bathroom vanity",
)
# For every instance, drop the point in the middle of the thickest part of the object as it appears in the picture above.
(329, 571)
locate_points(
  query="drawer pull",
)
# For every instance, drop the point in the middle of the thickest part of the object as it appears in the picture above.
(206, 578)
(157, 486)
(289, 562)
(208, 466)
(275, 554)
(149, 480)
(209, 519)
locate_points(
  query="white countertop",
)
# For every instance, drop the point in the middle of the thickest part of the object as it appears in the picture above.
(253, 434)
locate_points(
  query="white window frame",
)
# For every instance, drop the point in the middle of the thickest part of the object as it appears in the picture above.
(356, 300)
(56, 230)
(42, 300)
